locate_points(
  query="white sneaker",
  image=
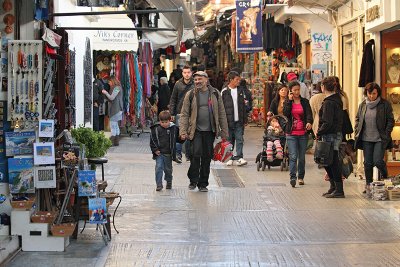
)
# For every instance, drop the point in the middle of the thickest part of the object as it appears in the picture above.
(241, 162)
(229, 163)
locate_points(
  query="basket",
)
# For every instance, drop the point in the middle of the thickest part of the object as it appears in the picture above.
(110, 197)
(43, 216)
(23, 204)
(64, 229)
(393, 194)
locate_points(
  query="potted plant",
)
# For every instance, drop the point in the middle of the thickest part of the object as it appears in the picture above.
(96, 143)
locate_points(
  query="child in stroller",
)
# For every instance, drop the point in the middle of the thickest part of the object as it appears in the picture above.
(274, 144)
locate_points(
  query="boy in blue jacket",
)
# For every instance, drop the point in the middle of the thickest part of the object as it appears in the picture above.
(163, 138)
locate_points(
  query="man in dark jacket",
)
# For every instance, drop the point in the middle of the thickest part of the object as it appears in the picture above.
(175, 105)
(233, 98)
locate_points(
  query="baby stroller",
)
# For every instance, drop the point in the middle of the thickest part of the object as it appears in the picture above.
(262, 161)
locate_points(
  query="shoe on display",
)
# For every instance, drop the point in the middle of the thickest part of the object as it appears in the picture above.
(192, 186)
(241, 162)
(229, 163)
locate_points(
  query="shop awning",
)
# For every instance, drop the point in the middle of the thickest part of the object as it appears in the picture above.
(175, 19)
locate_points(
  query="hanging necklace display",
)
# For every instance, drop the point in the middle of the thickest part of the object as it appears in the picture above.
(25, 82)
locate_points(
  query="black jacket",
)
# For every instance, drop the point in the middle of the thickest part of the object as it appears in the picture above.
(367, 71)
(178, 94)
(287, 112)
(274, 106)
(384, 123)
(331, 115)
(229, 108)
(155, 141)
(164, 95)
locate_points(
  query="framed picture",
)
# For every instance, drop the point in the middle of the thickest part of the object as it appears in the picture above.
(45, 177)
(43, 153)
(20, 175)
(19, 143)
(87, 183)
(97, 211)
(46, 128)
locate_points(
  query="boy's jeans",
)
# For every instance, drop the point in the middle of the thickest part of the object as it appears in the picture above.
(297, 146)
(163, 165)
(236, 139)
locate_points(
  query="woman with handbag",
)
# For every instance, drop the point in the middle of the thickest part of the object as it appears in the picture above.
(298, 111)
(330, 130)
(373, 128)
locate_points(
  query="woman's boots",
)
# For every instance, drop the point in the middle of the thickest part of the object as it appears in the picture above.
(338, 193)
(331, 189)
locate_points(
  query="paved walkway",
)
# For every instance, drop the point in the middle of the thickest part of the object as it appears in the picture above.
(266, 223)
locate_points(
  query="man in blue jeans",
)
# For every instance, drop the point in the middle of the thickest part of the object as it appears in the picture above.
(233, 98)
(182, 86)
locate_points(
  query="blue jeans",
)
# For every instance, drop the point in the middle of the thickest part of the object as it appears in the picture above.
(373, 156)
(297, 146)
(179, 145)
(163, 165)
(114, 123)
(236, 138)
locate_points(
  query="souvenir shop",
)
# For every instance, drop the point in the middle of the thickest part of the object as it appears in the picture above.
(135, 72)
(48, 181)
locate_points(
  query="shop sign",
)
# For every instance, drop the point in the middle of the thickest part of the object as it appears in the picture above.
(248, 26)
(372, 13)
(114, 40)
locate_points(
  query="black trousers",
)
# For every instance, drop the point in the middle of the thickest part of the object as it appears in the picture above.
(202, 151)
(96, 123)
(334, 170)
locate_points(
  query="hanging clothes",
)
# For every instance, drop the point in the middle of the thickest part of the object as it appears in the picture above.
(367, 70)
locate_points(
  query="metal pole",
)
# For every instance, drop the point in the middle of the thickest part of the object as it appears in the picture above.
(123, 12)
(117, 29)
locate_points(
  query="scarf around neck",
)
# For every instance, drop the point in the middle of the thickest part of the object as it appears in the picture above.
(373, 104)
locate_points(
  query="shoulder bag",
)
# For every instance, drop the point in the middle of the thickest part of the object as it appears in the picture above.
(323, 153)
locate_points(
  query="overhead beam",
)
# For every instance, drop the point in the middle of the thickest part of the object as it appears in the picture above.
(120, 12)
(116, 28)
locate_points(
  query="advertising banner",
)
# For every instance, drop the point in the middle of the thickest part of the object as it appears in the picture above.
(248, 27)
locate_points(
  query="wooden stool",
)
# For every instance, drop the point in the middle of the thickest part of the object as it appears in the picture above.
(99, 161)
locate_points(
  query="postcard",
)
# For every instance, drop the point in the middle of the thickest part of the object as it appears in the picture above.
(3, 172)
(46, 128)
(87, 183)
(43, 153)
(45, 177)
(19, 143)
(20, 175)
(97, 211)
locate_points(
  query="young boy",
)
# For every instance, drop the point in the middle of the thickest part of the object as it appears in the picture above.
(163, 138)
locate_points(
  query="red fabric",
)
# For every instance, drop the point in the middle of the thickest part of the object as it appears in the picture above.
(118, 67)
(183, 47)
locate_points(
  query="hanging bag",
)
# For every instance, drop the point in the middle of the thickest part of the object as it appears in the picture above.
(323, 153)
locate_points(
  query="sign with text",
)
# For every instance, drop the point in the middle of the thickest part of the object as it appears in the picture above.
(248, 27)
(114, 40)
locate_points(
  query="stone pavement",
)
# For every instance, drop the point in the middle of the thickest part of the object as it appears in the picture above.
(265, 223)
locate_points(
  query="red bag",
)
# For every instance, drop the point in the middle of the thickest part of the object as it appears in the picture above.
(223, 151)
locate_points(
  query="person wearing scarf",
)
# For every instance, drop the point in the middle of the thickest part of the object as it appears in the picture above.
(373, 128)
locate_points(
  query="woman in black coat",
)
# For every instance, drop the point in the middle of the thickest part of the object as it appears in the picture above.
(276, 107)
(373, 128)
(298, 111)
(330, 130)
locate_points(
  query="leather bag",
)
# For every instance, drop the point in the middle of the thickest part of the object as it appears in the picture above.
(323, 153)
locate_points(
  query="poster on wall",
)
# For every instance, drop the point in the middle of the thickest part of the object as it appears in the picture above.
(248, 27)
(46, 128)
(44, 153)
(97, 211)
(45, 177)
(19, 143)
(321, 49)
(87, 183)
(20, 174)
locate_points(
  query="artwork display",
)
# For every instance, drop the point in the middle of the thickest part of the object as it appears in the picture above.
(97, 211)
(19, 143)
(87, 183)
(46, 128)
(44, 153)
(45, 177)
(21, 176)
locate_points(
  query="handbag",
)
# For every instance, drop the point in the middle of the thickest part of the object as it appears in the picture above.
(310, 139)
(323, 153)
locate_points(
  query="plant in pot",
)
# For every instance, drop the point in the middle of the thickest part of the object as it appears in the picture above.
(96, 143)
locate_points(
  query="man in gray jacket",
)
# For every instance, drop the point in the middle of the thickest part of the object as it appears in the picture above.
(182, 86)
(202, 119)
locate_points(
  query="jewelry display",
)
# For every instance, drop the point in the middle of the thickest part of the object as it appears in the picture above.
(394, 98)
(25, 72)
(393, 73)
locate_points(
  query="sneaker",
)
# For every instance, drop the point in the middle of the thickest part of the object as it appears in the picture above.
(301, 182)
(229, 163)
(293, 182)
(241, 162)
(203, 189)
(178, 159)
(159, 188)
(192, 186)
(169, 185)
